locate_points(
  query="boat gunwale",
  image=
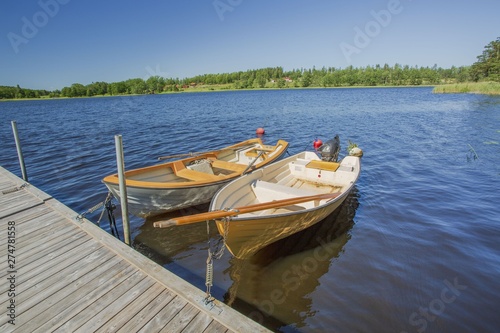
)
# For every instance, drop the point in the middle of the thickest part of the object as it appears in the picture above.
(280, 147)
(294, 213)
(341, 197)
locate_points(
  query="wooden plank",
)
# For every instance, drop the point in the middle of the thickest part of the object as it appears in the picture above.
(16, 195)
(32, 267)
(181, 320)
(51, 224)
(52, 227)
(131, 310)
(216, 327)
(73, 293)
(16, 181)
(18, 203)
(50, 252)
(323, 165)
(147, 312)
(74, 251)
(104, 312)
(42, 290)
(199, 323)
(43, 267)
(237, 167)
(5, 184)
(34, 251)
(83, 317)
(39, 269)
(80, 300)
(27, 216)
(37, 222)
(197, 175)
(164, 316)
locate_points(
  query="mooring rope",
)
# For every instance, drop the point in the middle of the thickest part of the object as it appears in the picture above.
(110, 207)
(107, 206)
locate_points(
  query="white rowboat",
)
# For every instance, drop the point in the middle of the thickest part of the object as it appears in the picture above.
(194, 180)
(297, 176)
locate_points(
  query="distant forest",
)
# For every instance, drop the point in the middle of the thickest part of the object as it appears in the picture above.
(486, 68)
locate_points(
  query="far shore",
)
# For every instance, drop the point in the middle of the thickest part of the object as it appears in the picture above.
(487, 88)
(211, 88)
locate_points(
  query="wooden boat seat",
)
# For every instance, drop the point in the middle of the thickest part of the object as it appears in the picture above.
(197, 175)
(237, 167)
(323, 165)
(255, 152)
(273, 191)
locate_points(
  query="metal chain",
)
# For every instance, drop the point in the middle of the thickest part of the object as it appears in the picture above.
(109, 197)
(96, 207)
(15, 189)
(216, 254)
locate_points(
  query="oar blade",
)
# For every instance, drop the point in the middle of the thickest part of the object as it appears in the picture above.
(165, 223)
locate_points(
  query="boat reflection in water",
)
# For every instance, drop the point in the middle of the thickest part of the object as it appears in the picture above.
(273, 286)
(164, 245)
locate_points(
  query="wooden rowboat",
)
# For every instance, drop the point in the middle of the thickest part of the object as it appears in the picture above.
(194, 180)
(278, 200)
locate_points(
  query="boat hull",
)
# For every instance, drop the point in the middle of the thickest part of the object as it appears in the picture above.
(145, 202)
(191, 181)
(299, 175)
(247, 236)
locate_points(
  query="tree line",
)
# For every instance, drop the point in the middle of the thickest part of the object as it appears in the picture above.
(274, 77)
(486, 68)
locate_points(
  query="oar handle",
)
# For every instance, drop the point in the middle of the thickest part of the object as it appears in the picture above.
(219, 214)
(203, 152)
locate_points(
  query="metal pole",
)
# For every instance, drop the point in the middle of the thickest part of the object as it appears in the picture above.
(19, 151)
(123, 189)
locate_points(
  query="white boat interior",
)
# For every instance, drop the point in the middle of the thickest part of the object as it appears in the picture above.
(297, 176)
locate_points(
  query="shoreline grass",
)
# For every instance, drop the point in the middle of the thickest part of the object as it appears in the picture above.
(486, 88)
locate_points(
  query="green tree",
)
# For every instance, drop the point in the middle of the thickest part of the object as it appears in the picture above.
(78, 90)
(487, 65)
(117, 88)
(155, 84)
(19, 92)
(306, 79)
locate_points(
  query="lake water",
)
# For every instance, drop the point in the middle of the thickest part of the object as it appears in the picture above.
(415, 248)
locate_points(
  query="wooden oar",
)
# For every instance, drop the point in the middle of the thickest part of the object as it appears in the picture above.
(196, 153)
(219, 214)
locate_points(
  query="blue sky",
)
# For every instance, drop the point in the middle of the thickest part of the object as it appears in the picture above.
(49, 44)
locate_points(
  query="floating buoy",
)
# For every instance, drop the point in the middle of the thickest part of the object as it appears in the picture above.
(317, 143)
(260, 130)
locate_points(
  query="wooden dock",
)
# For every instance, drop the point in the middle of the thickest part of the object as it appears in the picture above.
(64, 275)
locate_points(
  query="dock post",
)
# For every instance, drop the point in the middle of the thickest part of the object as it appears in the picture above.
(19, 151)
(120, 162)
